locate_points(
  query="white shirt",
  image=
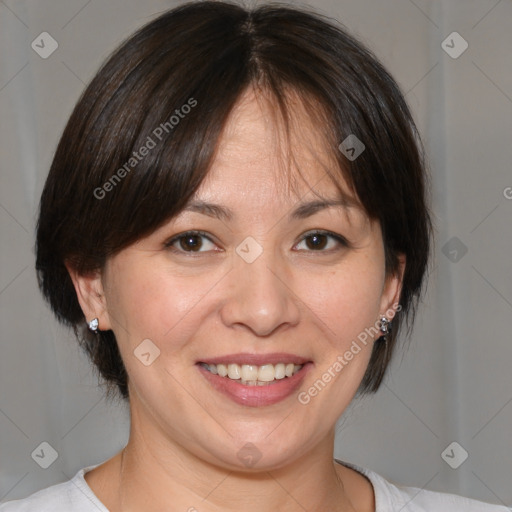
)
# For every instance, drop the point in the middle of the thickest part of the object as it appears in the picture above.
(75, 495)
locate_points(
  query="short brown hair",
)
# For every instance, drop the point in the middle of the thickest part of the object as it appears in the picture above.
(203, 55)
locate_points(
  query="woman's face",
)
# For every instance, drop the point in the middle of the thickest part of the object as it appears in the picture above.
(264, 285)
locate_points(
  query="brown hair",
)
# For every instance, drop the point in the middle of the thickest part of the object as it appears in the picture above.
(177, 80)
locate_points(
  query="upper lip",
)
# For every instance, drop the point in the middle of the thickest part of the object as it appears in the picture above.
(256, 359)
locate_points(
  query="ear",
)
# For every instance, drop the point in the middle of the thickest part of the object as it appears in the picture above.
(90, 293)
(392, 289)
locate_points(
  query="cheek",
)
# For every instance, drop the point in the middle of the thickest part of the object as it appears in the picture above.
(148, 300)
(346, 300)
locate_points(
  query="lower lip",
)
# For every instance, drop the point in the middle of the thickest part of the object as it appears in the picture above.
(256, 396)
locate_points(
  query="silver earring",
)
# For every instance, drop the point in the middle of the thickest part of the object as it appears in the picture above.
(93, 325)
(385, 325)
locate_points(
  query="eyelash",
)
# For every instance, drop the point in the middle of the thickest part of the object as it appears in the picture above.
(169, 244)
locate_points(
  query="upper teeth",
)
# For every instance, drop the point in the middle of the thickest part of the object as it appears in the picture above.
(250, 372)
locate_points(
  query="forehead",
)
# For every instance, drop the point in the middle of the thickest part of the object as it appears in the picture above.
(260, 151)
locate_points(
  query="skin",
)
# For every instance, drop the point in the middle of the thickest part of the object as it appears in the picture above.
(185, 435)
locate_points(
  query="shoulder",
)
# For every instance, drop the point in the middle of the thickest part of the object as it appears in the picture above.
(71, 496)
(390, 497)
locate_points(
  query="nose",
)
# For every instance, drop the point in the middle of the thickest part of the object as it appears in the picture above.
(261, 297)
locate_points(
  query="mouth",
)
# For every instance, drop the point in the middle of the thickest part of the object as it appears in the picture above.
(255, 380)
(253, 375)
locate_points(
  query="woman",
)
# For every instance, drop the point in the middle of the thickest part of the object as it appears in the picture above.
(236, 212)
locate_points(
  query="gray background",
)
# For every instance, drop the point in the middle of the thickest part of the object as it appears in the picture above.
(453, 383)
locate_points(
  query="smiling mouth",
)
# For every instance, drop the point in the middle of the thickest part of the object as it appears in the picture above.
(253, 375)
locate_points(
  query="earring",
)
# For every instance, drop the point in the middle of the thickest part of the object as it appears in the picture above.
(385, 325)
(385, 328)
(93, 325)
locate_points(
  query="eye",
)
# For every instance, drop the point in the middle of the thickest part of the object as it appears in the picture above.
(190, 242)
(321, 241)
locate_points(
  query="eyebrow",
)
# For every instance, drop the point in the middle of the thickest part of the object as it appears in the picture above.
(302, 211)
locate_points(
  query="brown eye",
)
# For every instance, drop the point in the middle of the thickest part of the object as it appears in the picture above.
(317, 241)
(190, 242)
(321, 241)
